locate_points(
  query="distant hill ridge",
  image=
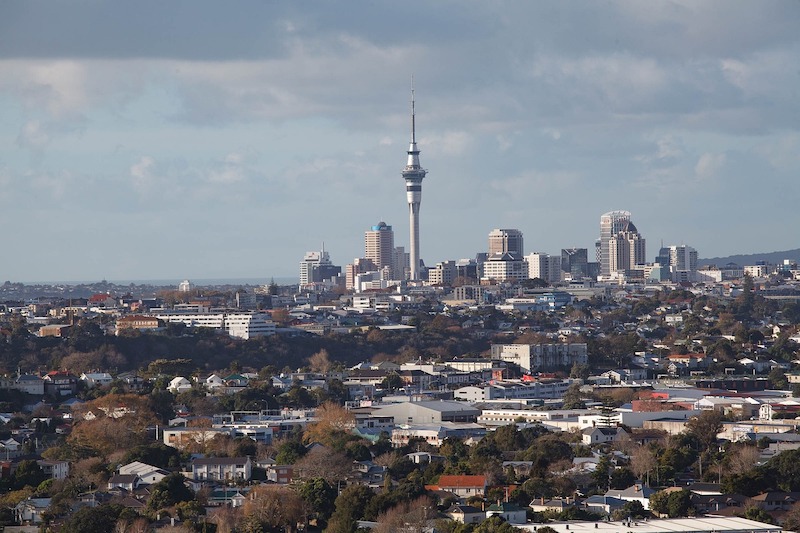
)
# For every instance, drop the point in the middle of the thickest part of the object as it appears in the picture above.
(750, 259)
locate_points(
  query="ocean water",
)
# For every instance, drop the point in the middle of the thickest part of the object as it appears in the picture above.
(175, 282)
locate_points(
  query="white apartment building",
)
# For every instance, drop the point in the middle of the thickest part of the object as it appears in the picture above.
(544, 266)
(534, 357)
(249, 325)
(504, 267)
(757, 271)
(239, 325)
(443, 273)
(513, 390)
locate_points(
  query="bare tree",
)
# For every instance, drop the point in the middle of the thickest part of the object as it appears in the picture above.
(332, 420)
(643, 461)
(743, 459)
(320, 361)
(226, 519)
(408, 517)
(323, 462)
(274, 507)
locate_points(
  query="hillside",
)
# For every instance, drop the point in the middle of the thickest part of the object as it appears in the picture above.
(750, 259)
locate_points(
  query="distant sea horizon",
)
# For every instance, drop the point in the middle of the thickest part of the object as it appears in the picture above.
(175, 281)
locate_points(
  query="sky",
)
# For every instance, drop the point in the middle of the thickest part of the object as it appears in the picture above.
(205, 139)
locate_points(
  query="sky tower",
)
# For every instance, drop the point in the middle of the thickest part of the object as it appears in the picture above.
(413, 173)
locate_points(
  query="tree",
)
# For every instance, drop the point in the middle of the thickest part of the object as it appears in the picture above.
(643, 461)
(632, 509)
(600, 476)
(101, 519)
(168, 492)
(409, 517)
(320, 361)
(573, 398)
(705, 427)
(323, 462)
(622, 478)
(112, 422)
(671, 503)
(495, 524)
(289, 452)
(320, 497)
(333, 421)
(350, 507)
(155, 454)
(273, 508)
(28, 474)
(742, 459)
(392, 382)
(759, 515)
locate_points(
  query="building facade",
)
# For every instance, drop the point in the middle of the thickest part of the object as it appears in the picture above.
(505, 241)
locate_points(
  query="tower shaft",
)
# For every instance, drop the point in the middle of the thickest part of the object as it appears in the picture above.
(413, 174)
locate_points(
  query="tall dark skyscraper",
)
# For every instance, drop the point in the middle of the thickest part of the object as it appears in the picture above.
(413, 173)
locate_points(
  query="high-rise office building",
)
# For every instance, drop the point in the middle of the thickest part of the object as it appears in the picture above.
(621, 247)
(503, 241)
(379, 245)
(683, 257)
(611, 224)
(575, 262)
(544, 266)
(413, 174)
(626, 249)
(316, 267)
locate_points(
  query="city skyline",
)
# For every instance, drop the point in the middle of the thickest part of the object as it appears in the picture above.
(154, 141)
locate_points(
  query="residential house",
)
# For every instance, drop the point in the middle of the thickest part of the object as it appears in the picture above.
(148, 474)
(510, 512)
(31, 510)
(636, 492)
(57, 383)
(54, 469)
(179, 384)
(601, 435)
(222, 469)
(602, 505)
(128, 482)
(776, 501)
(463, 486)
(556, 505)
(140, 322)
(96, 379)
(29, 383)
(466, 514)
(235, 497)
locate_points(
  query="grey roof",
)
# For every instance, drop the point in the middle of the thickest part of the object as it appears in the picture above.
(220, 460)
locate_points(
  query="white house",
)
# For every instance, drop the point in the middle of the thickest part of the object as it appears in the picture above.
(31, 510)
(222, 469)
(54, 469)
(96, 379)
(602, 435)
(634, 493)
(179, 384)
(148, 474)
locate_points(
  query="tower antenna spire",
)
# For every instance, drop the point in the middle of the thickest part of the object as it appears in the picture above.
(413, 114)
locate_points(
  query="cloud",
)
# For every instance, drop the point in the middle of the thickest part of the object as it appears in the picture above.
(668, 153)
(33, 135)
(229, 171)
(142, 174)
(535, 182)
(709, 165)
